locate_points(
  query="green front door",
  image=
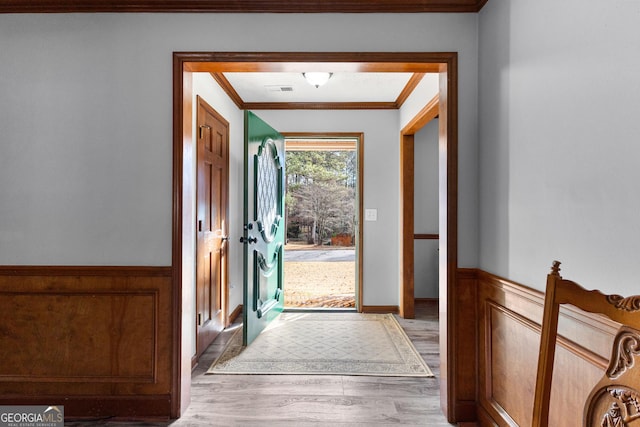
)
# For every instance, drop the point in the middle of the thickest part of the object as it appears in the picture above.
(263, 225)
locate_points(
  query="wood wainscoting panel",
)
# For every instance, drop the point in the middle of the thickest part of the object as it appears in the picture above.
(105, 326)
(88, 335)
(466, 358)
(511, 362)
(509, 318)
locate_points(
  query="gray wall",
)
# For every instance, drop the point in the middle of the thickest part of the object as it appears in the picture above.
(86, 129)
(559, 96)
(426, 210)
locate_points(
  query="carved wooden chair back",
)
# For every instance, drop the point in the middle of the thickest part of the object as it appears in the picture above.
(615, 400)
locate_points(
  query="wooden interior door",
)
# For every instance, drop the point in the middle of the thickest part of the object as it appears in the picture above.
(264, 226)
(211, 226)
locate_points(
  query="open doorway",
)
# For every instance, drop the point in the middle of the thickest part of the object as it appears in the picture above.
(426, 228)
(446, 64)
(322, 268)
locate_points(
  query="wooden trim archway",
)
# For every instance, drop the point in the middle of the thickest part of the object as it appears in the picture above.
(242, 6)
(446, 63)
(407, 185)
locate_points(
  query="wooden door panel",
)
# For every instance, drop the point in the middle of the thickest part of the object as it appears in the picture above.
(212, 200)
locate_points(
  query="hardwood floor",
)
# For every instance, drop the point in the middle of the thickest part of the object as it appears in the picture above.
(305, 400)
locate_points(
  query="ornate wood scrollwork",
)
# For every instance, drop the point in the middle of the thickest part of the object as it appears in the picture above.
(623, 410)
(630, 304)
(615, 402)
(613, 417)
(626, 346)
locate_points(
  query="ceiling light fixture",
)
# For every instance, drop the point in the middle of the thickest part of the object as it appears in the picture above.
(317, 79)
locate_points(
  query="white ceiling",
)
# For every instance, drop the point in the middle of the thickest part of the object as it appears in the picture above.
(342, 87)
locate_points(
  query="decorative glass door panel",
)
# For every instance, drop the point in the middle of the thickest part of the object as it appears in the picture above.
(263, 225)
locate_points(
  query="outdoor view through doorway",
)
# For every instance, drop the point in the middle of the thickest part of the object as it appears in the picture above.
(320, 267)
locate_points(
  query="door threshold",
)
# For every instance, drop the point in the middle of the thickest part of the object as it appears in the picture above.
(319, 309)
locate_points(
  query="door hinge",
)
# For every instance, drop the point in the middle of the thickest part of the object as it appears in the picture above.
(200, 319)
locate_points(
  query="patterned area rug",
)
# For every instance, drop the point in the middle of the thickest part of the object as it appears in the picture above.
(325, 344)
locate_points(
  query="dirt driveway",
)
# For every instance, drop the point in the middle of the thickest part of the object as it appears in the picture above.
(319, 277)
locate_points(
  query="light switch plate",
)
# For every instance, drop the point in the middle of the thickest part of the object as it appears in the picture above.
(371, 214)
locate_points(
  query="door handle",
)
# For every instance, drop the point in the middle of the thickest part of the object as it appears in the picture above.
(219, 234)
(249, 240)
